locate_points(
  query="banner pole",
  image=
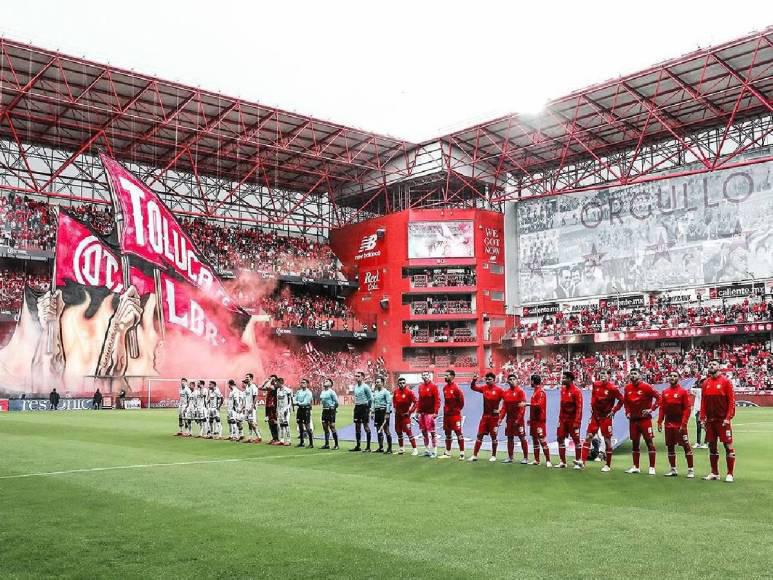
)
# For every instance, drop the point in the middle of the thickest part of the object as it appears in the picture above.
(50, 323)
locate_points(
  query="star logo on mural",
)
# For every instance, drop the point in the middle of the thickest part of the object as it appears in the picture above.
(660, 250)
(594, 258)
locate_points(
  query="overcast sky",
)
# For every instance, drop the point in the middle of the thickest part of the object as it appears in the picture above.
(410, 69)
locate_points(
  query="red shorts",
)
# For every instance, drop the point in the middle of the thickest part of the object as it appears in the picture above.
(452, 423)
(403, 424)
(514, 428)
(716, 430)
(676, 436)
(537, 430)
(271, 414)
(603, 424)
(427, 422)
(641, 428)
(488, 424)
(567, 429)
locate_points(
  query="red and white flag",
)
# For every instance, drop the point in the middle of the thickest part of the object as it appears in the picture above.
(148, 230)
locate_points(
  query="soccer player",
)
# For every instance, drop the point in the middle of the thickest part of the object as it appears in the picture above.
(269, 386)
(639, 401)
(512, 412)
(605, 401)
(200, 413)
(233, 406)
(404, 403)
(569, 418)
(382, 409)
(363, 402)
(182, 407)
(697, 393)
(717, 410)
(675, 410)
(429, 404)
(538, 414)
(303, 415)
(329, 401)
(489, 421)
(251, 408)
(284, 408)
(453, 404)
(214, 402)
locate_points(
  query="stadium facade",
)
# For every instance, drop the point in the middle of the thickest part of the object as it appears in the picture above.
(438, 238)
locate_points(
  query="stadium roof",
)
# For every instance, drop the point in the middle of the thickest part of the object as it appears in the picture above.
(713, 87)
(74, 105)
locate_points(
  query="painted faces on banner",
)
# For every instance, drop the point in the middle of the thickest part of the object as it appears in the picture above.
(82, 257)
(151, 232)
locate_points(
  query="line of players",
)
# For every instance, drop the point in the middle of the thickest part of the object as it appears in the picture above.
(638, 399)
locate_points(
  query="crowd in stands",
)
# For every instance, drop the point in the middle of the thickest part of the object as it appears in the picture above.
(233, 248)
(314, 365)
(654, 317)
(26, 224)
(441, 305)
(454, 332)
(441, 359)
(439, 277)
(12, 283)
(29, 224)
(749, 365)
(306, 310)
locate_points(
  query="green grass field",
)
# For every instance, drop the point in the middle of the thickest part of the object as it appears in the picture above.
(172, 507)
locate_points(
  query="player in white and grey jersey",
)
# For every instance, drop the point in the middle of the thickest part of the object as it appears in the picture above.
(200, 408)
(214, 401)
(251, 408)
(234, 406)
(284, 408)
(183, 402)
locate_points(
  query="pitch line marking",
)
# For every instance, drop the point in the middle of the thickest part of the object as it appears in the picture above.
(145, 466)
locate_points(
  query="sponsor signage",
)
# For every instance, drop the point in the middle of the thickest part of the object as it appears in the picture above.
(45, 405)
(133, 403)
(3, 405)
(622, 301)
(165, 404)
(737, 291)
(371, 280)
(369, 247)
(717, 330)
(541, 309)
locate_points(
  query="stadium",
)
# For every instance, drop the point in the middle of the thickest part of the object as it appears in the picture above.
(237, 340)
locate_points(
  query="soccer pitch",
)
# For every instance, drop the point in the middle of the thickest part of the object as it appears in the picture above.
(114, 494)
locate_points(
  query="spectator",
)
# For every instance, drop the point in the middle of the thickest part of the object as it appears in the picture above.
(53, 398)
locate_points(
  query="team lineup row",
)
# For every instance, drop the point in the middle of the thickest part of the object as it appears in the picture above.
(507, 406)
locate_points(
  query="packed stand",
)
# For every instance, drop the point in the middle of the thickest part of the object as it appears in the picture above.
(303, 310)
(12, 283)
(232, 248)
(26, 224)
(655, 317)
(749, 365)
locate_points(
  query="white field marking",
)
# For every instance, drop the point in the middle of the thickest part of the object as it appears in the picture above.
(146, 466)
(754, 423)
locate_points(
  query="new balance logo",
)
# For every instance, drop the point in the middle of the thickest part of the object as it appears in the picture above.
(368, 243)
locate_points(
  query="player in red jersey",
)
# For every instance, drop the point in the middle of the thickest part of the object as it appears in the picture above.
(602, 411)
(675, 407)
(538, 414)
(717, 410)
(453, 404)
(404, 403)
(569, 418)
(512, 412)
(640, 400)
(429, 404)
(489, 421)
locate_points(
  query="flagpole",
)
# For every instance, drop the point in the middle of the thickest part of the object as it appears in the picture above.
(52, 289)
(159, 307)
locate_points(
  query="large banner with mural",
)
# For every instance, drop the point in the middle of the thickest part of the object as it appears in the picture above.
(685, 231)
(141, 302)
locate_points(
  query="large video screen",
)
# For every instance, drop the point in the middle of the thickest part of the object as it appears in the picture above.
(452, 239)
(684, 231)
